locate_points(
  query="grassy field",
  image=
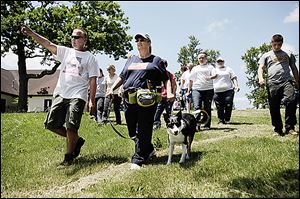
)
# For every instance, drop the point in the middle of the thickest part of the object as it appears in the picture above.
(239, 160)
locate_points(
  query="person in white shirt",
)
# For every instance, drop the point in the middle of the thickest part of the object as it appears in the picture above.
(78, 72)
(225, 83)
(185, 79)
(100, 96)
(114, 99)
(201, 86)
(182, 90)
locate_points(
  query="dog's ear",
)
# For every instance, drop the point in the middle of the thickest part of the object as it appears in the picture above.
(166, 117)
(179, 115)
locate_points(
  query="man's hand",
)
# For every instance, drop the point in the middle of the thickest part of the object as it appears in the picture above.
(91, 106)
(237, 89)
(26, 30)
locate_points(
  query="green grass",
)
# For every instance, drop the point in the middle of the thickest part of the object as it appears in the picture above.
(242, 159)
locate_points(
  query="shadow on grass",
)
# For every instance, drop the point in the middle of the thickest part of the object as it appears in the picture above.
(225, 129)
(240, 123)
(93, 159)
(195, 157)
(282, 185)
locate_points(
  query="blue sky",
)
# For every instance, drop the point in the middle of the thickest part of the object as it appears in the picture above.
(230, 27)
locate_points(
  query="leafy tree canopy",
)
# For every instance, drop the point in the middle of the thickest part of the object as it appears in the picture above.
(258, 96)
(104, 22)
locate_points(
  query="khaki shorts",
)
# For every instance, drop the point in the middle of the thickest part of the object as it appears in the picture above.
(63, 111)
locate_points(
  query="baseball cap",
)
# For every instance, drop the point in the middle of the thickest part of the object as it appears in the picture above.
(145, 36)
(220, 59)
(164, 62)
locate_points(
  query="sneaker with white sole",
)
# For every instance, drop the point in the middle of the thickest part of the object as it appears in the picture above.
(135, 166)
(291, 132)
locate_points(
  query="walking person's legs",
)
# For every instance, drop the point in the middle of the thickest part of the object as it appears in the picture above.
(159, 110)
(274, 98)
(67, 111)
(208, 96)
(220, 105)
(289, 101)
(100, 108)
(197, 102)
(117, 104)
(228, 98)
(106, 110)
(143, 145)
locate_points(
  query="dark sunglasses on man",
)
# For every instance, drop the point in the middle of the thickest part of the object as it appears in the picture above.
(75, 37)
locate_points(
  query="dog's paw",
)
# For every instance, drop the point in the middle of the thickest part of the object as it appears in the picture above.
(168, 163)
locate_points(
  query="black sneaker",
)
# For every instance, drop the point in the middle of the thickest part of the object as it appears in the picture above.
(278, 132)
(68, 160)
(221, 122)
(78, 146)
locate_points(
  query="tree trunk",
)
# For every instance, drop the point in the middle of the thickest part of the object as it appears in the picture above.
(23, 79)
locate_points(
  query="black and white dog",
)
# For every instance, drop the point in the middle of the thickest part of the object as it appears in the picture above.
(181, 129)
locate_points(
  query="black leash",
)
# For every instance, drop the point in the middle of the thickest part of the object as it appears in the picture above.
(117, 130)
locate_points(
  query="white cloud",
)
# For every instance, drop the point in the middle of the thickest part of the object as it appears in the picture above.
(217, 25)
(293, 16)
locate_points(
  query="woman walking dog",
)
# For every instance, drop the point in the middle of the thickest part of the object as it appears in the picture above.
(141, 78)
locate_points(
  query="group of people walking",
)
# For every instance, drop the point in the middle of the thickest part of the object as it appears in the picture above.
(203, 83)
(147, 89)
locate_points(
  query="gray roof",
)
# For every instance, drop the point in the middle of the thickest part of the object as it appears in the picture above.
(10, 82)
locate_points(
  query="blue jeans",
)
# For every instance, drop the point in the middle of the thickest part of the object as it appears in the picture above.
(100, 108)
(203, 100)
(224, 103)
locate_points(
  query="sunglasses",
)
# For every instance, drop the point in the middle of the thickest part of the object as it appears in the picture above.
(141, 40)
(76, 37)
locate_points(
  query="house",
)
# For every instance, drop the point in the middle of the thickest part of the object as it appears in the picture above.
(40, 90)
(9, 90)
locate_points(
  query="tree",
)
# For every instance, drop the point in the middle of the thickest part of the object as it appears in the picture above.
(258, 95)
(189, 54)
(104, 22)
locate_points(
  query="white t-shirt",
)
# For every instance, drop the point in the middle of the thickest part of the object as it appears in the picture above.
(186, 77)
(198, 75)
(110, 81)
(223, 81)
(75, 70)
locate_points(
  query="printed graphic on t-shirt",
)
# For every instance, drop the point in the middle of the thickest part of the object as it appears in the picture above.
(138, 66)
(280, 58)
(73, 67)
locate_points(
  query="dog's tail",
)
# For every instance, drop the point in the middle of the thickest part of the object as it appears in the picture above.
(204, 117)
